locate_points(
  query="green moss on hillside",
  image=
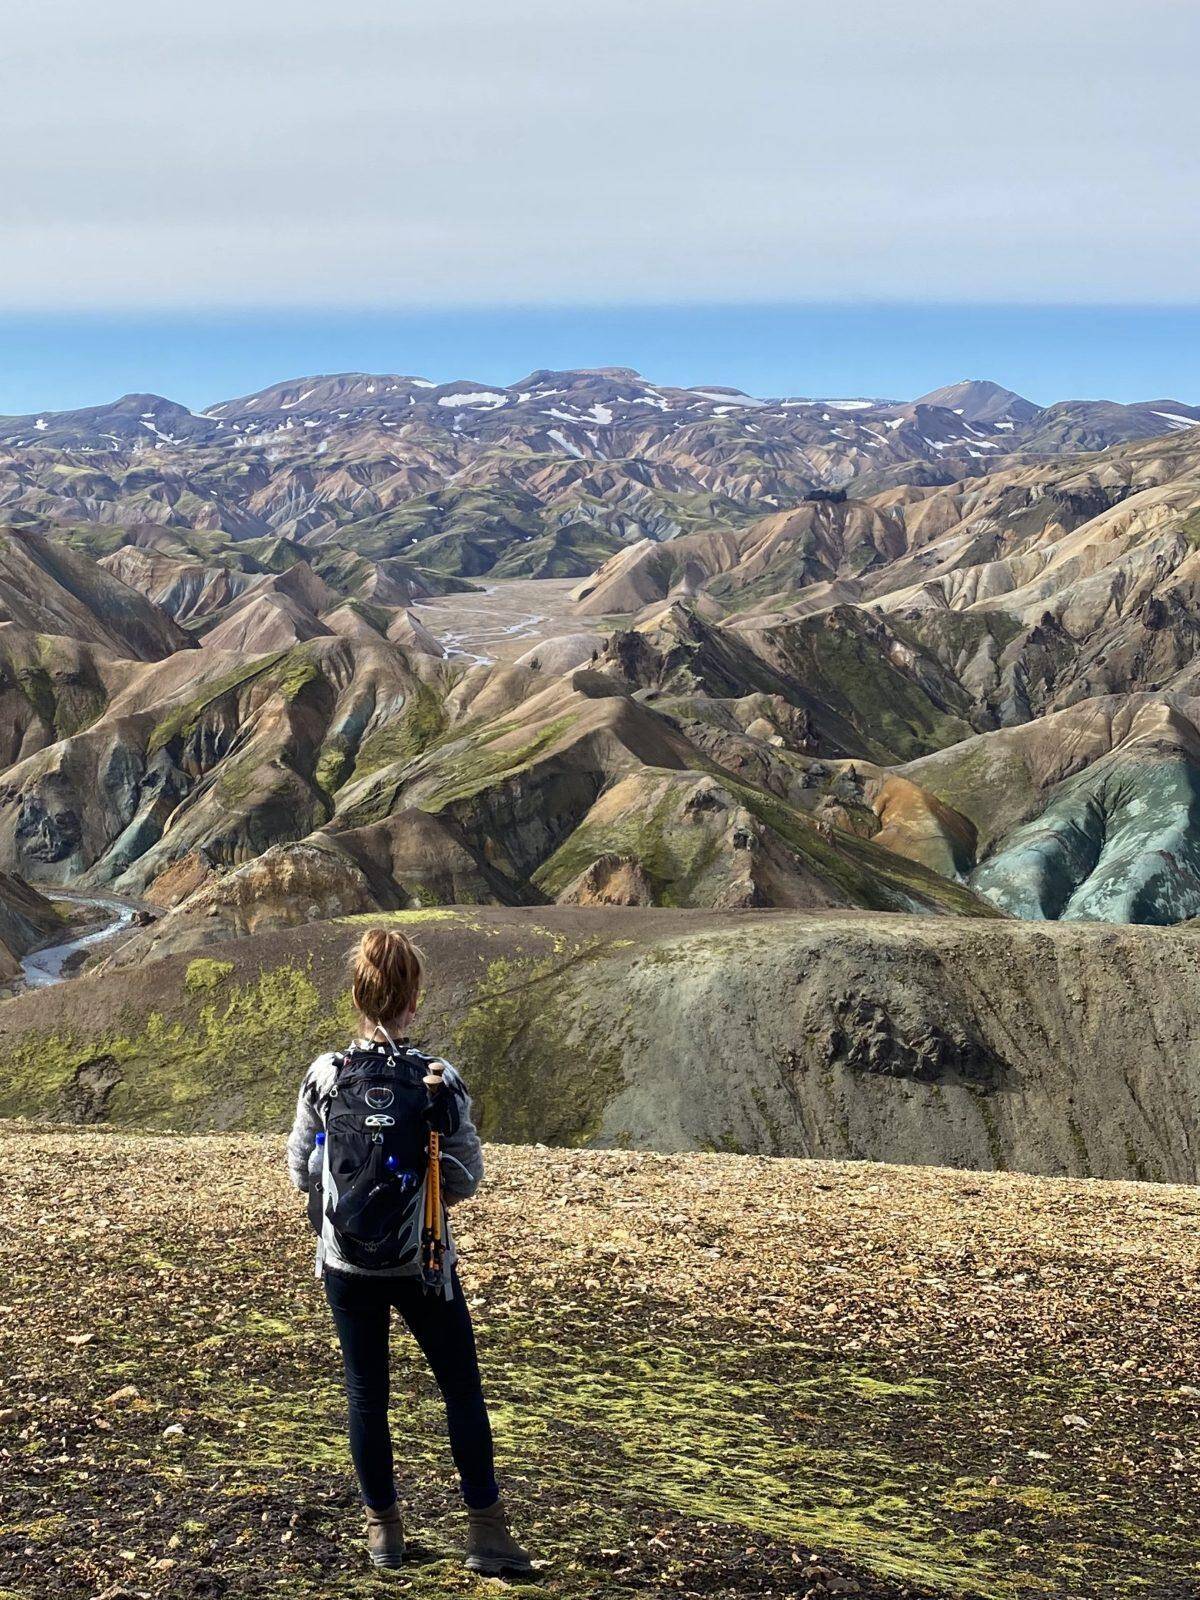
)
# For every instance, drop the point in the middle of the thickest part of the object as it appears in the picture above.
(204, 973)
(686, 861)
(236, 781)
(874, 878)
(418, 728)
(469, 770)
(225, 1061)
(674, 855)
(184, 719)
(957, 632)
(540, 1066)
(37, 689)
(228, 1054)
(299, 671)
(58, 694)
(335, 763)
(893, 709)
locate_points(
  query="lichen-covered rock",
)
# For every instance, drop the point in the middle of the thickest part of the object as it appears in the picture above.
(285, 885)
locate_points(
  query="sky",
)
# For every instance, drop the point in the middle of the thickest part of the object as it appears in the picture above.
(56, 362)
(469, 189)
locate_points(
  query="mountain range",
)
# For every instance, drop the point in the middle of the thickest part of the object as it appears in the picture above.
(542, 478)
(810, 770)
(954, 679)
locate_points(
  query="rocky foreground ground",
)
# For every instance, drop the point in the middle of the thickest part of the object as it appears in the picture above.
(711, 1375)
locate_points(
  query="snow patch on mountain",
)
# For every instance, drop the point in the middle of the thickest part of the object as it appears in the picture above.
(476, 397)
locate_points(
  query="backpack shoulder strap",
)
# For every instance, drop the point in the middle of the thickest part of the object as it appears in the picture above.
(321, 1080)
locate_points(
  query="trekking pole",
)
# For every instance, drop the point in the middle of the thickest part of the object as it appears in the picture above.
(432, 1245)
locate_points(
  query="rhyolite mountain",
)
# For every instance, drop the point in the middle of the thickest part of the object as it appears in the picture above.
(27, 920)
(878, 655)
(977, 400)
(544, 477)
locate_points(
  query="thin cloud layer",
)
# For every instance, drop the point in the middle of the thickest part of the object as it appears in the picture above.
(380, 153)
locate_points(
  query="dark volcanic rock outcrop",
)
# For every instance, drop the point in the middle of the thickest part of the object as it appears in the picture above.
(866, 1036)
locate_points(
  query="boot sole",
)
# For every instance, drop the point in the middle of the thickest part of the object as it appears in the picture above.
(387, 1563)
(493, 1567)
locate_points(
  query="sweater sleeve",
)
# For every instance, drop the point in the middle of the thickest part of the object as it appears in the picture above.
(462, 1153)
(306, 1125)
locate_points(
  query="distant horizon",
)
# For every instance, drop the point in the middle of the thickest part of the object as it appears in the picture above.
(67, 361)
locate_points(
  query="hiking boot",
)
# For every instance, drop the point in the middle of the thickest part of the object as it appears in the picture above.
(491, 1548)
(385, 1537)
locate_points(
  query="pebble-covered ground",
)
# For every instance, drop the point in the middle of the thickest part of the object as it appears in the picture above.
(711, 1375)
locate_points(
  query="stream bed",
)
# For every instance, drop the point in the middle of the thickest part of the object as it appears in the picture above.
(45, 966)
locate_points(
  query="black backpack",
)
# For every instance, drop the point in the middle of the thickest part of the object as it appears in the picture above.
(373, 1201)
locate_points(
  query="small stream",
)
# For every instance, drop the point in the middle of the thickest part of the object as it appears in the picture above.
(454, 642)
(45, 966)
(483, 624)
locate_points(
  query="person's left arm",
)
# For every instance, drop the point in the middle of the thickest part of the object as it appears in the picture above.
(462, 1153)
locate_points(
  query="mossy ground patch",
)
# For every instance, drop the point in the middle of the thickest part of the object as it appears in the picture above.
(692, 1395)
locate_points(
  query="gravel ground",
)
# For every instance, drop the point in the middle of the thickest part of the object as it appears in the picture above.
(710, 1375)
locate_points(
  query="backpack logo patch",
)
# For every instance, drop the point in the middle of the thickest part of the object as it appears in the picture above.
(379, 1097)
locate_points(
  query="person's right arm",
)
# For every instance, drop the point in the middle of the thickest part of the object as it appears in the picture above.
(307, 1123)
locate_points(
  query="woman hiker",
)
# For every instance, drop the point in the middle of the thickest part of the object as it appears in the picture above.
(382, 1137)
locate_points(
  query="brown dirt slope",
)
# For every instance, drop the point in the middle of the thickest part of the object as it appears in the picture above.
(47, 588)
(712, 1377)
(1048, 1048)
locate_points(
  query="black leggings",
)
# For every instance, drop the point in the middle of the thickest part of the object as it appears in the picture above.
(361, 1309)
